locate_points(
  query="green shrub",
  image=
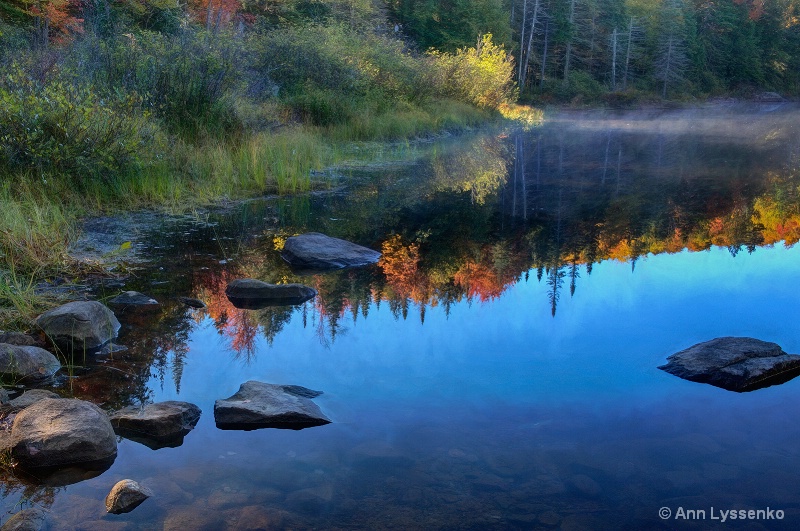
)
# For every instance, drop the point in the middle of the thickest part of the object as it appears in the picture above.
(59, 128)
(482, 75)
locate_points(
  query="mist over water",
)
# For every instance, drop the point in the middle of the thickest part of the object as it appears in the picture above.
(497, 368)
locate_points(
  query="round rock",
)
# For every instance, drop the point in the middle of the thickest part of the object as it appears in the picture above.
(27, 363)
(126, 496)
(81, 325)
(162, 420)
(64, 431)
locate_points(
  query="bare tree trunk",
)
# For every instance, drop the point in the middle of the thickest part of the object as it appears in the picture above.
(544, 51)
(568, 53)
(209, 14)
(614, 60)
(628, 56)
(525, 59)
(667, 68)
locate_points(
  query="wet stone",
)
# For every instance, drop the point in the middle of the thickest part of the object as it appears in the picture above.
(133, 298)
(194, 518)
(59, 432)
(251, 294)
(27, 364)
(192, 303)
(316, 252)
(159, 425)
(30, 397)
(257, 518)
(80, 326)
(734, 363)
(261, 405)
(18, 338)
(125, 496)
(26, 520)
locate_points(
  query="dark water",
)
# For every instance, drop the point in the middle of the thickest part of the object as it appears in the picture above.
(497, 369)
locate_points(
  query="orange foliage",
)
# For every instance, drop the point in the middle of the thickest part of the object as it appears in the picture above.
(755, 8)
(60, 18)
(214, 12)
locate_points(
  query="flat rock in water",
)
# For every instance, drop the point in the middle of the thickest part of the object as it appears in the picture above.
(27, 363)
(317, 252)
(251, 294)
(26, 520)
(192, 303)
(734, 363)
(261, 405)
(126, 496)
(133, 298)
(159, 425)
(64, 431)
(80, 325)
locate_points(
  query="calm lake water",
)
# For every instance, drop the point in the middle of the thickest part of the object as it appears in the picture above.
(497, 368)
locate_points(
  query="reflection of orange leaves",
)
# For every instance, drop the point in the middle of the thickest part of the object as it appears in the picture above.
(479, 280)
(622, 251)
(400, 265)
(716, 226)
(675, 244)
(240, 326)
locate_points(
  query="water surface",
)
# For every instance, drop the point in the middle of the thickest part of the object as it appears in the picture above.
(497, 368)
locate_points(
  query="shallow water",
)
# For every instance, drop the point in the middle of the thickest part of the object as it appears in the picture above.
(497, 369)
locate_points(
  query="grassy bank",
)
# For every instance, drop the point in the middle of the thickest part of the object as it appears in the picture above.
(174, 110)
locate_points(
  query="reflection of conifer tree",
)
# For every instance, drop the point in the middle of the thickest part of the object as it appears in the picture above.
(178, 362)
(539, 272)
(573, 276)
(555, 280)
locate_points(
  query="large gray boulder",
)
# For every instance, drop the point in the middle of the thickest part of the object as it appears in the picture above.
(125, 496)
(159, 425)
(64, 431)
(27, 363)
(251, 294)
(80, 325)
(317, 252)
(734, 363)
(261, 405)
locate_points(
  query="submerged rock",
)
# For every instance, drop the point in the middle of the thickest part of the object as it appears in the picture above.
(80, 326)
(734, 363)
(32, 519)
(159, 425)
(261, 405)
(254, 294)
(126, 496)
(27, 363)
(317, 252)
(64, 431)
(133, 298)
(192, 303)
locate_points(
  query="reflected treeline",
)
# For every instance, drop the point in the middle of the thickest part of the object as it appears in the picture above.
(462, 226)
